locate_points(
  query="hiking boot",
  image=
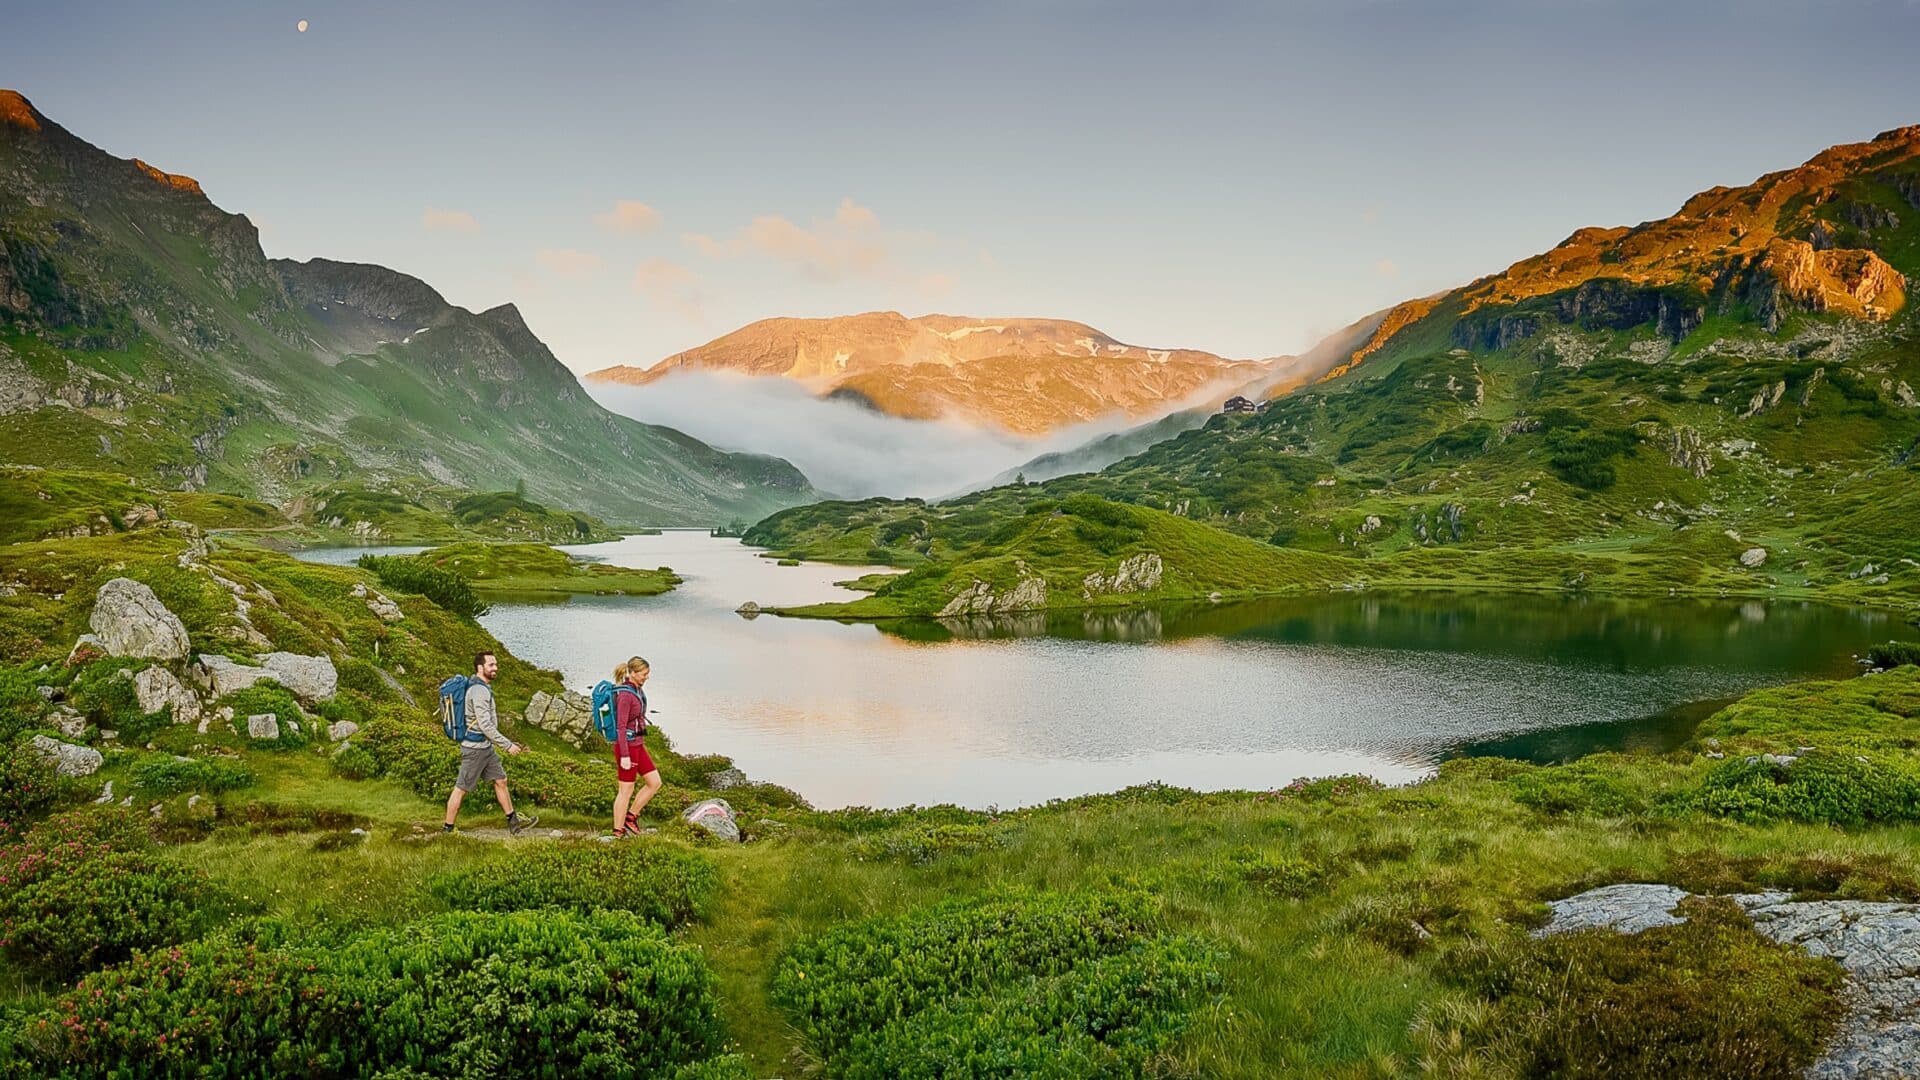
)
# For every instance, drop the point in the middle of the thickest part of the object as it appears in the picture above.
(520, 823)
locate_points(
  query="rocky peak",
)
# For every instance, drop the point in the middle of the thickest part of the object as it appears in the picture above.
(173, 180)
(367, 288)
(16, 110)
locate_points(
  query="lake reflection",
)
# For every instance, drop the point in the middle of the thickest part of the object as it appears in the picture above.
(1014, 711)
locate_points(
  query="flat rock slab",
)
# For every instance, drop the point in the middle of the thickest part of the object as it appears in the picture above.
(1626, 908)
(1878, 944)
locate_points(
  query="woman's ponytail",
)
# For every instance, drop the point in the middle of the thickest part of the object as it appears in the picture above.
(628, 667)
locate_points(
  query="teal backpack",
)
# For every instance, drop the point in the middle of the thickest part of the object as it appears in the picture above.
(453, 707)
(605, 716)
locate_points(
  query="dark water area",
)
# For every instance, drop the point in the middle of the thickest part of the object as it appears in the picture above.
(1017, 710)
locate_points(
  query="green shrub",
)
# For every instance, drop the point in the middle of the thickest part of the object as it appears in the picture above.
(920, 843)
(103, 692)
(665, 884)
(535, 993)
(29, 787)
(1894, 653)
(84, 890)
(1103, 1019)
(267, 696)
(224, 1006)
(1326, 788)
(1824, 787)
(19, 702)
(356, 763)
(1707, 998)
(852, 980)
(526, 994)
(404, 573)
(171, 775)
(362, 677)
(337, 710)
(1595, 788)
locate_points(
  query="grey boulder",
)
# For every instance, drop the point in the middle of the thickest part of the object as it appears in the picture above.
(716, 816)
(131, 621)
(263, 726)
(68, 759)
(156, 688)
(566, 714)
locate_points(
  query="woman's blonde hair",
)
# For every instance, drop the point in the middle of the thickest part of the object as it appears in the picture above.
(629, 666)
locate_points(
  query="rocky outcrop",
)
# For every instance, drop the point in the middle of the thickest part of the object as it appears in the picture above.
(156, 689)
(131, 621)
(1687, 450)
(384, 609)
(1753, 557)
(309, 678)
(1135, 574)
(1878, 944)
(1793, 276)
(716, 816)
(567, 715)
(68, 759)
(979, 598)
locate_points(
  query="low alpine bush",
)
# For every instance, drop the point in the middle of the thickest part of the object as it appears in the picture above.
(267, 696)
(29, 786)
(1894, 653)
(85, 889)
(170, 775)
(404, 573)
(660, 883)
(1821, 787)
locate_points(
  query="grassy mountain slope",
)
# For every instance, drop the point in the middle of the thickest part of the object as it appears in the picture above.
(141, 325)
(1565, 425)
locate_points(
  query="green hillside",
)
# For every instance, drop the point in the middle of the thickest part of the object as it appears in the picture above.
(143, 330)
(1630, 413)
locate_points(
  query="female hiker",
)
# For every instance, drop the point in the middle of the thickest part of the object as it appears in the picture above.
(629, 752)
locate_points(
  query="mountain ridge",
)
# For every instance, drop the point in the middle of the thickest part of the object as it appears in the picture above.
(143, 328)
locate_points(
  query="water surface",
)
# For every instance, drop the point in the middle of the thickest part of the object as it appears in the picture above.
(1019, 710)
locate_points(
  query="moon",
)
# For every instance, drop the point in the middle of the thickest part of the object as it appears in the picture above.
(301, 26)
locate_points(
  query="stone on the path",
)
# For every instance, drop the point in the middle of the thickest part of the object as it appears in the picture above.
(1753, 557)
(156, 688)
(716, 816)
(1626, 908)
(68, 759)
(567, 715)
(342, 730)
(131, 621)
(263, 726)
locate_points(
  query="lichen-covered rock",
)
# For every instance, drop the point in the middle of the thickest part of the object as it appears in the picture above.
(263, 726)
(68, 759)
(715, 816)
(1753, 557)
(156, 688)
(567, 715)
(1626, 908)
(131, 621)
(341, 730)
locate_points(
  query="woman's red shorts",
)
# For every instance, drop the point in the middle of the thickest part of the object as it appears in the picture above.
(642, 761)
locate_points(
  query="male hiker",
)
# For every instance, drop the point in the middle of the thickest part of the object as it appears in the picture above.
(478, 758)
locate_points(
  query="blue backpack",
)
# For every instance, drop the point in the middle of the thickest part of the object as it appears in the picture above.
(453, 707)
(605, 716)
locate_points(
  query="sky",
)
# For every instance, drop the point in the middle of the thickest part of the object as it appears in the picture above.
(1236, 177)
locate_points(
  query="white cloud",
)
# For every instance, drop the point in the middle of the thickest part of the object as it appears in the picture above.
(628, 215)
(438, 220)
(568, 263)
(848, 244)
(670, 287)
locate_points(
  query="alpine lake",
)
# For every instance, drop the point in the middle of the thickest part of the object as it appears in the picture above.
(1017, 710)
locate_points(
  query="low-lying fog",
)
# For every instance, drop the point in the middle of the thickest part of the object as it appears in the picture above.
(845, 449)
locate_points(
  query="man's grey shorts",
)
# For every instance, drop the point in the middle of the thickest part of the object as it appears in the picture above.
(477, 765)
